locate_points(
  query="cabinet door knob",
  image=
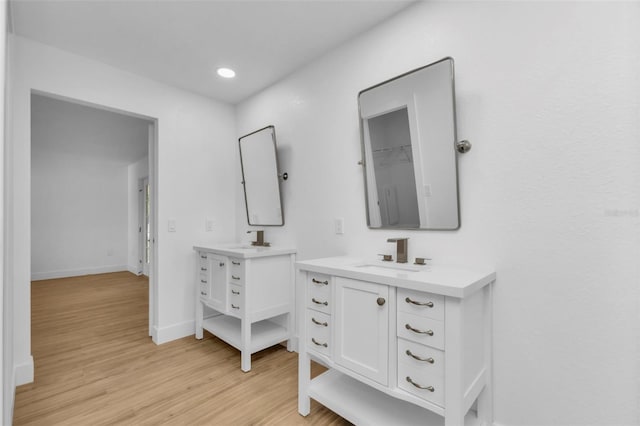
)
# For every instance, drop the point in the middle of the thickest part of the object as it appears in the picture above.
(381, 301)
(221, 264)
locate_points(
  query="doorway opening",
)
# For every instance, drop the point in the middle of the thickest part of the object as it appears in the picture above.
(87, 163)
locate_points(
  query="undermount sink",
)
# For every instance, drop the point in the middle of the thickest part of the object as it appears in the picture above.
(388, 267)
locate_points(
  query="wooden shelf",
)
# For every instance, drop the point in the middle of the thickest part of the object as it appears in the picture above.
(361, 404)
(263, 333)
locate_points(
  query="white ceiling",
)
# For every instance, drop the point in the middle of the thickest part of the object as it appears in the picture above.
(58, 126)
(182, 43)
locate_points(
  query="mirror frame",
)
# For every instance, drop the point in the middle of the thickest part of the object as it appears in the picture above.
(363, 162)
(277, 171)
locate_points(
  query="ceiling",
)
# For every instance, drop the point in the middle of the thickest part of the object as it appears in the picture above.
(62, 127)
(182, 43)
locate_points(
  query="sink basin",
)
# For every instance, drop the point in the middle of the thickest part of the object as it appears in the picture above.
(390, 267)
(244, 247)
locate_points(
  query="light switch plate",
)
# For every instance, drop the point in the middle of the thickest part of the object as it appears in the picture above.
(172, 225)
(209, 224)
(338, 224)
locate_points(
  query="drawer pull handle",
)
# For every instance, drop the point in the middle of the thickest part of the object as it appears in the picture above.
(326, 282)
(234, 306)
(415, 330)
(416, 357)
(203, 269)
(318, 343)
(233, 277)
(235, 292)
(203, 293)
(429, 388)
(315, 321)
(203, 281)
(203, 257)
(235, 263)
(318, 302)
(413, 302)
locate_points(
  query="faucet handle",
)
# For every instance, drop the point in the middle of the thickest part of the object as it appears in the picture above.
(421, 260)
(386, 257)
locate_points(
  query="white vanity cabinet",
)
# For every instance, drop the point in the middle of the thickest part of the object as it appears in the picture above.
(245, 296)
(403, 346)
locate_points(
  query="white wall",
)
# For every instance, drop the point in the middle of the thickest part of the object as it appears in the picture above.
(548, 93)
(196, 139)
(135, 172)
(6, 361)
(78, 215)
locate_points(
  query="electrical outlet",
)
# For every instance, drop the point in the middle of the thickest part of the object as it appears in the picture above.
(172, 225)
(209, 224)
(338, 224)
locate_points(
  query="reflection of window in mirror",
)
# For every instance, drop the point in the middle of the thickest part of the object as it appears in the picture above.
(393, 169)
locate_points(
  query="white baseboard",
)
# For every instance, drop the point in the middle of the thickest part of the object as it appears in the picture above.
(173, 332)
(23, 372)
(133, 270)
(9, 400)
(36, 276)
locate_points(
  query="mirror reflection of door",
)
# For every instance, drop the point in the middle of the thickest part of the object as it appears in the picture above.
(408, 134)
(144, 228)
(394, 169)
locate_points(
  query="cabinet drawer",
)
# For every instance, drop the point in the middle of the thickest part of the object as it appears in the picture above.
(204, 290)
(202, 259)
(421, 303)
(421, 382)
(236, 300)
(236, 271)
(420, 329)
(319, 332)
(319, 292)
(421, 357)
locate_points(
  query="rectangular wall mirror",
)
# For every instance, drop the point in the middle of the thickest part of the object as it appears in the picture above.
(408, 134)
(259, 162)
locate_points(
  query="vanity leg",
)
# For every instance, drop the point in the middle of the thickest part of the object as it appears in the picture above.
(485, 399)
(290, 325)
(199, 319)
(304, 377)
(245, 345)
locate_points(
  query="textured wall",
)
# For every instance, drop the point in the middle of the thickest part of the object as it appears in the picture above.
(548, 94)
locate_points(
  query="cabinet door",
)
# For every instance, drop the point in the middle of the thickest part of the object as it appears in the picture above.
(218, 279)
(362, 328)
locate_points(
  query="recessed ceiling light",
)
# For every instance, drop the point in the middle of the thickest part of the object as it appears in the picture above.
(226, 72)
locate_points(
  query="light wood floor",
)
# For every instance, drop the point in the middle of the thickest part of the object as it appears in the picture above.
(95, 364)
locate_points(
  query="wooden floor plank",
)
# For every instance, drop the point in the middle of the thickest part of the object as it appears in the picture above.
(95, 364)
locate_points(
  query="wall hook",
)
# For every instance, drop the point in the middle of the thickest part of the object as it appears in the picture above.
(463, 146)
(284, 176)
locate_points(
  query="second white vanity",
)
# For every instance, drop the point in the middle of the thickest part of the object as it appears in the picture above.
(405, 344)
(245, 296)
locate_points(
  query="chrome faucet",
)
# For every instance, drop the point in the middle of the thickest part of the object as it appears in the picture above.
(402, 244)
(259, 239)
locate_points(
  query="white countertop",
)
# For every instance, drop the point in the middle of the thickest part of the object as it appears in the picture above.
(455, 281)
(244, 251)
